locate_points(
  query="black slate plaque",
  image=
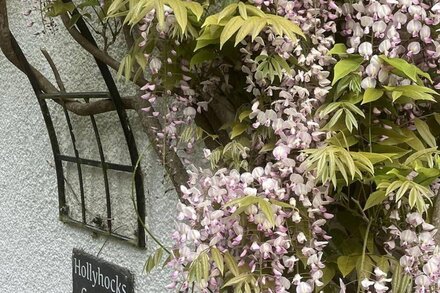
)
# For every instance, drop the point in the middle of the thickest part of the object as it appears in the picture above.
(93, 275)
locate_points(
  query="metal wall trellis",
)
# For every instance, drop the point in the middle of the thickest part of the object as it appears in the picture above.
(59, 158)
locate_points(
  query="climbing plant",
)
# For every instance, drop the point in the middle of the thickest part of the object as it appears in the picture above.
(319, 123)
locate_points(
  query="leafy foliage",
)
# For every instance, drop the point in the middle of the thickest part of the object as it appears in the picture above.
(220, 27)
(134, 11)
(325, 161)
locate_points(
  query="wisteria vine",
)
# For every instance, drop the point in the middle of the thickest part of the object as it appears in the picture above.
(320, 167)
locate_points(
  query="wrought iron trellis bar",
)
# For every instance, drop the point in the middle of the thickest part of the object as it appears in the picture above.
(59, 158)
(129, 137)
(78, 164)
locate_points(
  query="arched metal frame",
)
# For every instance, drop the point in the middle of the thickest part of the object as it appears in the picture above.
(59, 158)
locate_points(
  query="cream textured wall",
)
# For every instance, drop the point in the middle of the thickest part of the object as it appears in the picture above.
(35, 247)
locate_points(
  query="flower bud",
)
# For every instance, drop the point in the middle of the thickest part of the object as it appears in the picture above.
(368, 82)
(425, 34)
(366, 49)
(414, 48)
(413, 27)
(155, 65)
(385, 46)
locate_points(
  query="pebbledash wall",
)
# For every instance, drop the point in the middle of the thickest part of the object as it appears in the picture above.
(35, 247)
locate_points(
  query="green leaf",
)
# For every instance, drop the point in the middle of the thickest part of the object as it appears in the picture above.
(243, 201)
(251, 9)
(204, 43)
(338, 49)
(230, 29)
(154, 260)
(202, 56)
(227, 11)
(247, 288)
(353, 108)
(287, 26)
(343, 139)
(266, 208)
(413, 141)
(195, 8)
(382, 262)
(396, 94)
(350, 121)
(204, 265)
(231, 264)
(236, 280)
(419, 155)
(199, 268)
(345, 67)
(249, 26)
(158, 5)
(243, 115)
(242, 10)
(327, 109)
(283, 63)
(346, 264)
(421, 205)
(376, 157)
(425, 133)
(334, 119)
(364, 269)
(402, 190)
(281, 204)
(413, 195)
(437, 118)
(407, 69)
(180, 12)
(238, 129)
(375, 198)
(393, 186)
(329, 273)
(414, 92)
(372, 95)
(267, 148)
(59, 7)
(116, 6)
(218, 259)
(424, 74)
(149, 266)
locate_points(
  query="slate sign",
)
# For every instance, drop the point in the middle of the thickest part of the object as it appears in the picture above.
(93, 275)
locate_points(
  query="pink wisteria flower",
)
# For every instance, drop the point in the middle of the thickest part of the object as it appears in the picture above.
(260, 203)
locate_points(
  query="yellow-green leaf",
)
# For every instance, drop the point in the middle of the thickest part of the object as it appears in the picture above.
(231, 264)
(266, 208)
(242, 10)
(375, 198)
(425, 133)
(238, 129)
(227, 11)
(236, 280)
(243, 115)
(408, 69)
(346, 264)
(338, 49)
(372, 95)
(160, 12)
(230, 29)
(345, 67)
(218, 259)
(180, 12)
(195, 8)
(247, 28)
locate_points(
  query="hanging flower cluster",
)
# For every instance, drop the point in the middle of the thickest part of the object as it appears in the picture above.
(321, 125)
(421, 255)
